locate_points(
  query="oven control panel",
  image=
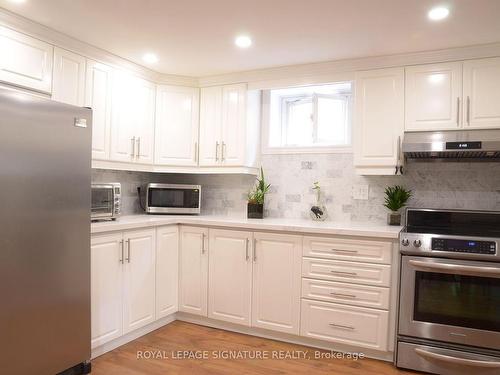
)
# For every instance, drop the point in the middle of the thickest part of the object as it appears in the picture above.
(464, 246)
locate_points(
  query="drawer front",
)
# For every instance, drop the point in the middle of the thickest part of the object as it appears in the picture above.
(348, 294)
(348, 249)
(357, 273)
(357, 326)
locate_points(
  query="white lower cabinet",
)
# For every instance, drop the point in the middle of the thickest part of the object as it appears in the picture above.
(193, 270)
(167, 266)
(356, 326)
(139, 279)
(122, 283)
(230, 276)
(276, 282)
(106, 288)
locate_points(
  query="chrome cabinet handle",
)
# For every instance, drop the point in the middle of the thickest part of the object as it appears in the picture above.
(495, 272)
(122, 252)
(341, 326)
(456, 360)
(223, 151)
(468, 110)
(128, 251)
(196, 151)
(133, 146)
(247, 255)
(345, 251)
(255, 250)
(458, 111)
(138, 147)
(341, 295)
(216, 151)
(342, 273)
(203, 243)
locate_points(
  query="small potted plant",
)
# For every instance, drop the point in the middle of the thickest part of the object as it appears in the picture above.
(395, 199)
(255, 207)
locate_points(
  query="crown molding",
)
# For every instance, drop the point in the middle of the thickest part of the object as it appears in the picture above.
(39, 31)
(315, 72)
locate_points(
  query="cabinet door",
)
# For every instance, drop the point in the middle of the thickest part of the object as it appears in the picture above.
(69, 77)
(230, 276)
(98, 89)
(210, 126)
(139, 279)
(167, 265)
(482, 93)
(177, 124)
(25, 61)
(144, 120)
(193, 269)
(433, 96)
(123, 114)
(276, 282)
(106, 288)
(233, 125)
(379, 120)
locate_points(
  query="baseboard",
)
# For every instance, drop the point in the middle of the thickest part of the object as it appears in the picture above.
(259, 332)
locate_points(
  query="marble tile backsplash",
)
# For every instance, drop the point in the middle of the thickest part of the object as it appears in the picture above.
(437, 185)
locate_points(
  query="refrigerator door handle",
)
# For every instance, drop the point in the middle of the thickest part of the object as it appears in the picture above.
(128, 251)
(122, 245)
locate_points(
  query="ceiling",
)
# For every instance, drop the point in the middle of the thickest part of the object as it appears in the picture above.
(196, 37)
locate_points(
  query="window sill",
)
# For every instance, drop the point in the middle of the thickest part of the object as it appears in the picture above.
(306, 150)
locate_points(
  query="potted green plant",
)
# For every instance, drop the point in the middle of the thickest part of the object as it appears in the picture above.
(395, 199)
(255, 207)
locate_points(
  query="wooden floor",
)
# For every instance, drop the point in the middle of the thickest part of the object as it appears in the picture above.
(178, 336)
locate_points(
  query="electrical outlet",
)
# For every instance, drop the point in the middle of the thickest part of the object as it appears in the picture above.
(360, 192)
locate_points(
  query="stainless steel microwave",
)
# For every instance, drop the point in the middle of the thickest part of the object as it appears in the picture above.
(173, 199)
(106, 201)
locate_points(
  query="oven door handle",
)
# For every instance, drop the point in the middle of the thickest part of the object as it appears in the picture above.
(456, 360)
(490, 271)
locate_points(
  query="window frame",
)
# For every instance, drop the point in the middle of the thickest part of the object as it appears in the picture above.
(316, 149)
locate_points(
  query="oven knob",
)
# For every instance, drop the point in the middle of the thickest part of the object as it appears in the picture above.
(417, 243)
(405, 242)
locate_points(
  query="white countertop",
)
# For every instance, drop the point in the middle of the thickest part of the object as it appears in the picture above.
(285, 225)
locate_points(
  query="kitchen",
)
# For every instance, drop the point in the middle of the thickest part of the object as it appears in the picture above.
(241, 176)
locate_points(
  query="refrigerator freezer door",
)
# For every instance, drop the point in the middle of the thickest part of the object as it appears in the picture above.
(45, 164)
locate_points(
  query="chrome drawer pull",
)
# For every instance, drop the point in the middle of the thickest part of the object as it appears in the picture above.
(456, 360)
(345, 251)
(340, 295)
(341, 326)
(353, 274)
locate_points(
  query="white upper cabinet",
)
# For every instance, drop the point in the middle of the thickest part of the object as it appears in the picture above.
(229, 126)
(68, 84)
(433, 96)
(25, 61)
(210, 126)
(379, 121)
(276, 282)
(482, 93)
(230, 276)
(167, 266)
(132, 120)
(176, 126)
(98, 91)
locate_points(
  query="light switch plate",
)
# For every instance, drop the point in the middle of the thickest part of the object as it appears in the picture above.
(360, 192)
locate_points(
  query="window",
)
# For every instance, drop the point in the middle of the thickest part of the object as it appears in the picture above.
(308, 119)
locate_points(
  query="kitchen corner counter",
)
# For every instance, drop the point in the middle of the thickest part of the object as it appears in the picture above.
(285, 225)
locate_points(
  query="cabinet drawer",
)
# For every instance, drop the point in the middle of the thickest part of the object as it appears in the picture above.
(348, 294)
(358, 273)
(348, 249)
(357, 326)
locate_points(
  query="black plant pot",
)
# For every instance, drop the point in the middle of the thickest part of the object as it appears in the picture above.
(255, 211)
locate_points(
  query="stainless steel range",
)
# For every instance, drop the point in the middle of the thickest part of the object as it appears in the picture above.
(449, 305)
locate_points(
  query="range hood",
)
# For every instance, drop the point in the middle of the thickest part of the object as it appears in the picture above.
(457, 145)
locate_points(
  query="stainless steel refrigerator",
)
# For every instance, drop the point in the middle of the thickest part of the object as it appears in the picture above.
(45, 165)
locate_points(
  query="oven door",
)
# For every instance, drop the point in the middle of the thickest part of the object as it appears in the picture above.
(102, 202)
(173, 199)
(450, 300)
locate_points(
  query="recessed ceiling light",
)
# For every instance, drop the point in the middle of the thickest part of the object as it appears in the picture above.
(438, 13)
(150, 58)
(243, 41)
